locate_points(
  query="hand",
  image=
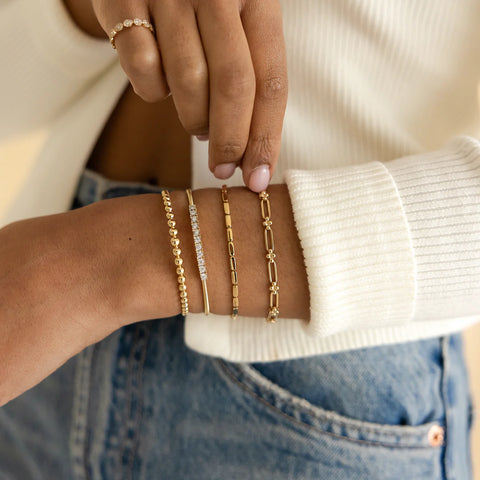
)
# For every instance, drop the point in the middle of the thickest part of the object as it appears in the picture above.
(224, 63)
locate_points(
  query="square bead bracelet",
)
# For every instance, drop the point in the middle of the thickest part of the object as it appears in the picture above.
(231, 252)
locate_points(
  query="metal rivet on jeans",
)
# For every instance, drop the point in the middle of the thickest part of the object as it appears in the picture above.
(436, 436)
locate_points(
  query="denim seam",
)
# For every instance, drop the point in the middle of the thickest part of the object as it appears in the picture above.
(139, 409)
(446, 471)
(321, 431)
(116, 408)
(133, 390)
(322, 416)
(78, 435)
(122, 435)
(87, 443)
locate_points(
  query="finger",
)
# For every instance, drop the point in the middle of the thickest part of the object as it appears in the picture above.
(232, 83)
(137, 49)
(262, 20)
(184, 62)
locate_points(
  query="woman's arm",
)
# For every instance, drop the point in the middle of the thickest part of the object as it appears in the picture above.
(386, 246)
(69, 280)
(141, 282)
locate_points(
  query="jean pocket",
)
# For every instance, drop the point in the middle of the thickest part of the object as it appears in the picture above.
(299, 413)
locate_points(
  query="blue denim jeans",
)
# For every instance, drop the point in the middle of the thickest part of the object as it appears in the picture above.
(140, 405)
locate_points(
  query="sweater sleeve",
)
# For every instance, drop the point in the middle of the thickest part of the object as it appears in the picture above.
(57, 90)
(51, 63)
(59, 41)
(388, 244)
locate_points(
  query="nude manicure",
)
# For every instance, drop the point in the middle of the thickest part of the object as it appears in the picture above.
(259, 178)
(225, 170)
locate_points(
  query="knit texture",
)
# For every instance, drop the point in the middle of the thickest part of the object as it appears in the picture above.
(356, 246)
(57, 92)
(440, 193)
(391, 251)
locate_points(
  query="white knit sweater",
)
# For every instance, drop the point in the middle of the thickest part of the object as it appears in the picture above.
(386, 204)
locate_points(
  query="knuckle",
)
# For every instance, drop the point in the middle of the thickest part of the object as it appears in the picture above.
(263, 148)
(235, 82)
(227, 152)
(143, 70)
(274, 87)
(143, 63)
(189, 80)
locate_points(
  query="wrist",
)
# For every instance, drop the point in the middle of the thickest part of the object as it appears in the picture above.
(141, 280)
(248, 230)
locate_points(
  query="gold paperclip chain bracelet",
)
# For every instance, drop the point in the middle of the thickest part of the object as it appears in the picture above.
(273, 311)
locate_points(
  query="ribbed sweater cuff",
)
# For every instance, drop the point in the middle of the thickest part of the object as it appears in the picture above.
(440, 193)
(357, 248)
(56, 36)
(391, 252)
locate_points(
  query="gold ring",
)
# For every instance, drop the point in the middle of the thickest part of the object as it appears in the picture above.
(128, 23)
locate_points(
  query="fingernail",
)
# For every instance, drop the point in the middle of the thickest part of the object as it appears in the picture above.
(225, 170)
(259, 179)
(202, 138)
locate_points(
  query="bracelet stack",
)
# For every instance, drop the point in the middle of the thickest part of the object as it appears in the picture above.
(266, 214)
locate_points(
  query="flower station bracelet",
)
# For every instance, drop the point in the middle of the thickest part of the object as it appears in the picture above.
(271, 264)
(231, 251)
(175, 242)
(197, 239)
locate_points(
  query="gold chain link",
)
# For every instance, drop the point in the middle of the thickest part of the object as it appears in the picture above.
(231, 252)
(265, 207)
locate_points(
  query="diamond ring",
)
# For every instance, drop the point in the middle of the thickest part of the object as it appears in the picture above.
(128, 23)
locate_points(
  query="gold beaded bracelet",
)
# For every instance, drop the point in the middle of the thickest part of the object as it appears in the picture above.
(175, 242)
(197, 240)
(273, 311)
(231, 252)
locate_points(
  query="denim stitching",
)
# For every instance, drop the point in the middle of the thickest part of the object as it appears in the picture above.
(315, 428)
(122, 435)
(444, 457)
(78, 435)
(139, 409)
(325, 417)
(134, 388)
(87, 443)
